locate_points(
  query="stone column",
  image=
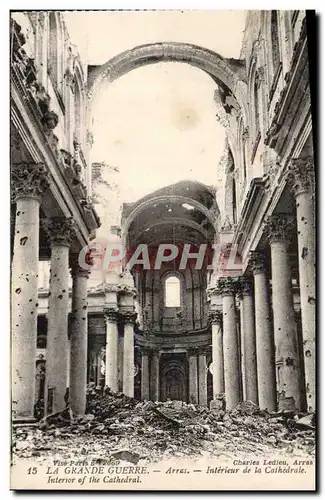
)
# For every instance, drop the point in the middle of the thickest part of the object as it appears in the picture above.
(226, 288)
(61, 233)
(120, 351)
(69, 358)
(29, 183)
(203, 389)
(112, 351)
(249, 342)
(278, 228)
(265, 360)
(111, 358)
(128, 354)
(145, 375)
(193, 377)
(126, 296)
(78, 339)
(217, 354)
(241, 351)
(301, 177)
(154, 376)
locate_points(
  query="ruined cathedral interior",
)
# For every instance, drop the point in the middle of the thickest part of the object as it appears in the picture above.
(209, 336)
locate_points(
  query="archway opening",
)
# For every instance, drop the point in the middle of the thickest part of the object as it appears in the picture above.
(157, 123)
(173, 376)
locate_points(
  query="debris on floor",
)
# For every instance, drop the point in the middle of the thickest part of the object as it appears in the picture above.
(123, 428)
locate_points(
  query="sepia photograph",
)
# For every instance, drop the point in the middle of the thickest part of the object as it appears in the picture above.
(163, 250)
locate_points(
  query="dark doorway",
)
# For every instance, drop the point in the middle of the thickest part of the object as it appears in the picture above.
(173, 376)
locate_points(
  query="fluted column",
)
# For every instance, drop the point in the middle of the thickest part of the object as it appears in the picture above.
(278, 228)
(111, 356)
(192, 377)
(217, 353)
(29, 182)
(265, 359)
(61, 233)
(227, 288)
(301, 177)
(78, 339)
(249, 342)
(202, 371)
(154, 376)
(145, 375)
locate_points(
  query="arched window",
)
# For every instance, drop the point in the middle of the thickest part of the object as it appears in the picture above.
(172, 292)
(53, 48)
(256, 106)
(275, 41)
(56, 49)
(234, 202)
(244, 155)
(243, 134)
(79, 106)
(77, 112)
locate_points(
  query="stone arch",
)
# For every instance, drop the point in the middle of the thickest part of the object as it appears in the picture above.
(227, 73)
(168, 198)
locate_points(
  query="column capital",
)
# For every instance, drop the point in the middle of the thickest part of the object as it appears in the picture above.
(128, 317)
(110, 287)
(60, 230)
(203, 351)
(29, 180)
(126, 290)
(111, 314)
(126, 284)
(145, 351)
(76, 269)
(257, 262)
(155, 352)
(215, 317)
(197, 351)
(244, 286)
(227, 286)
(279, 227)
(301, 175)
(192, 351)
(212, 290)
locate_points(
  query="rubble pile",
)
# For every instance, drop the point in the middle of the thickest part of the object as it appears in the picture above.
(172, 428)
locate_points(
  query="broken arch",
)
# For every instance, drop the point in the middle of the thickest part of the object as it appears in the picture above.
(226, 73)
